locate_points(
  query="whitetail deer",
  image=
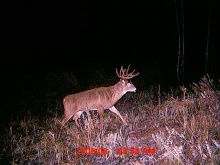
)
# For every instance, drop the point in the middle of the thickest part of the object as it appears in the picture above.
(99, 99)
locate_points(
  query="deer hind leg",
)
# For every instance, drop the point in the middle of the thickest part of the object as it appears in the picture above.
(114, 110)
(76, 116)
(67, 116)
(69, 111)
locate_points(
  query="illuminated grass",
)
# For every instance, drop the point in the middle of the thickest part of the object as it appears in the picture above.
(183, 129)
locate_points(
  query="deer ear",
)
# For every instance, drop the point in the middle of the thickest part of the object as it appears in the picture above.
(123, 81)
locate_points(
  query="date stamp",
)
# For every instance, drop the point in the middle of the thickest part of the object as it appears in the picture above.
(119, 151)
(135, 151)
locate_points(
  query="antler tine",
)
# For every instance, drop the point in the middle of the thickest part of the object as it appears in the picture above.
(128, 69)
(136, 73)
(117, 72)
(121, 72)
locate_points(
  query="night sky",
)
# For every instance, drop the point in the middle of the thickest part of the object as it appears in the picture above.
(39, 37)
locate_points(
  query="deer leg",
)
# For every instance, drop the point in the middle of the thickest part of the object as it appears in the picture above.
(87, 112)
(67, 116)
(114, 110)
(88, 115)
(76, 116)
(100, 111)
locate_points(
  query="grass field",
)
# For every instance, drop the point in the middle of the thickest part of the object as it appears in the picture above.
(177, 126)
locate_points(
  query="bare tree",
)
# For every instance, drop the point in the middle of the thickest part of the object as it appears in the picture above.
(179, 6)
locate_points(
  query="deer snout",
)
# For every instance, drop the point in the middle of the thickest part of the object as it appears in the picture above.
(131, 87)
(133, 90)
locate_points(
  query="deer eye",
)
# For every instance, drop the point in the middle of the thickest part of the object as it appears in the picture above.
(128, 84)
(123, 81)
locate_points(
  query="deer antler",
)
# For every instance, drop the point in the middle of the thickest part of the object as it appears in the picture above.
(123, 74)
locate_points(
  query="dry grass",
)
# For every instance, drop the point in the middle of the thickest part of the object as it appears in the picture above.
(183, 129)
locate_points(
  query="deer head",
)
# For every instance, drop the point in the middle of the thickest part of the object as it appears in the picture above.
(125, 76)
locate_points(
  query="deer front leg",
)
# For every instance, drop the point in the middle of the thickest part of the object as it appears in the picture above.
(100, 111)
(114, 110)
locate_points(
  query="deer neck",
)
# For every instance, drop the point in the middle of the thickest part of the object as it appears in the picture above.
(118, 91)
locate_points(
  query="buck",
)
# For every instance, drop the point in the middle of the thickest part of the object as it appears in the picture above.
(99, 99)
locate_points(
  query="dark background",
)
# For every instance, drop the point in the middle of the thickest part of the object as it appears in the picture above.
(38, 37)
(46, 36)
